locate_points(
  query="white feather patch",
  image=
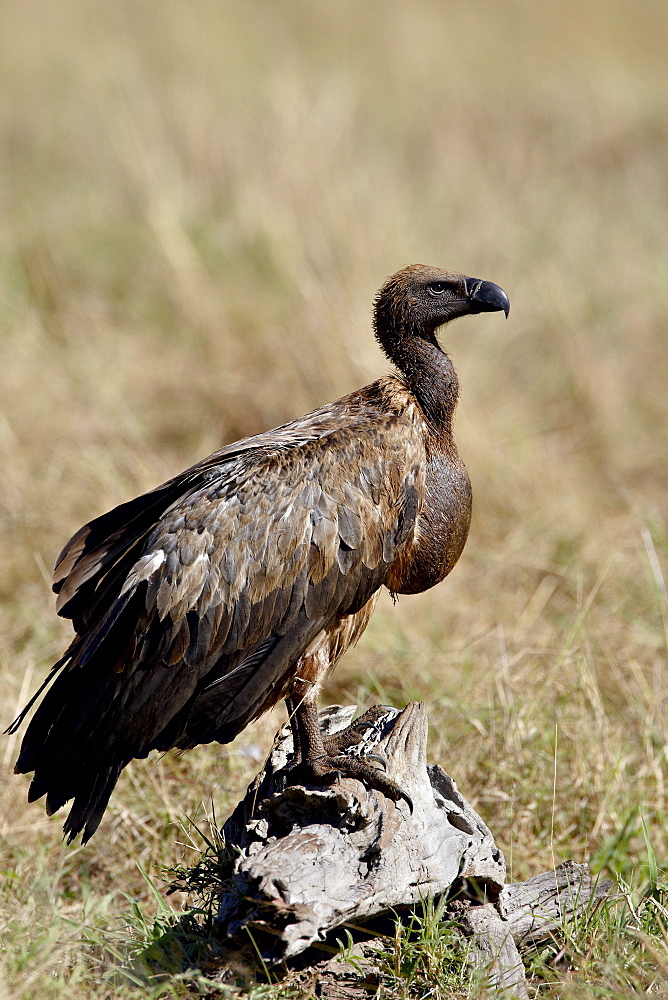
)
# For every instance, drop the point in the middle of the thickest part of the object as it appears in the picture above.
(143, 569)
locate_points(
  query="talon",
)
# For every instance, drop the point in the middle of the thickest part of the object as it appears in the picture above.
(367, 756)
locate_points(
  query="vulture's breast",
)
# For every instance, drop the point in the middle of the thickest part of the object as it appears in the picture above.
(442, 526)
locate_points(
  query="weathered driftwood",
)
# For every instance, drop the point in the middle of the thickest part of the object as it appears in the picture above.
(312, 858)
(531, 910)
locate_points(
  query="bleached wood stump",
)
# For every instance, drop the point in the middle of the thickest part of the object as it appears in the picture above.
(314, 857)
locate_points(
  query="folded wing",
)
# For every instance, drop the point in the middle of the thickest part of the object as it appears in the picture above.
(192, 604)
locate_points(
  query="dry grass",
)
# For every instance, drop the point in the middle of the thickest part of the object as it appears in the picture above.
(198, 202)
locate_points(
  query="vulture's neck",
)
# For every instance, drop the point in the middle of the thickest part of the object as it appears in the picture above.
(427, 371)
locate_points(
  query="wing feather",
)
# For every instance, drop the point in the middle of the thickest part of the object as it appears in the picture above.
(194, 603)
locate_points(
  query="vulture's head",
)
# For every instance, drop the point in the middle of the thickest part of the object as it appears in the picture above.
(419, 299)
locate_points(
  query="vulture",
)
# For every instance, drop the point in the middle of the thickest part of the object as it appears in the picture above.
(241, 581)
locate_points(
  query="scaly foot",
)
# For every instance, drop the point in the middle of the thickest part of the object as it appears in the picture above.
(321, 757)
(326, 769)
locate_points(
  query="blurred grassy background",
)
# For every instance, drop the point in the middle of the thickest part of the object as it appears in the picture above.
(197, 205)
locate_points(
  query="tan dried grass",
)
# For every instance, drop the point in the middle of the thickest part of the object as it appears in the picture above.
(198, 204)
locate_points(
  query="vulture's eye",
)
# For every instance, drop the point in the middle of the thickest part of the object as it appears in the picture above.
(437, 287)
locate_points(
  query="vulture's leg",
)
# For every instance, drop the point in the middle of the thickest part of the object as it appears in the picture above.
(318, 764)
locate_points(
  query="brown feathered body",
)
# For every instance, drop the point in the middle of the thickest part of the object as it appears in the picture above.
(241, 581)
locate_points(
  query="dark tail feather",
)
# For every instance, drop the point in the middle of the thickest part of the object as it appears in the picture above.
(80, 650)
(67, 655)
(90, 791)
(48, 741)
(90, 802)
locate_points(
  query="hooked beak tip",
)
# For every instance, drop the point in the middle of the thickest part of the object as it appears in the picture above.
(485, 296)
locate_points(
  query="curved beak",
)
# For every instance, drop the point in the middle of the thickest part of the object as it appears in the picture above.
(485, 296)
